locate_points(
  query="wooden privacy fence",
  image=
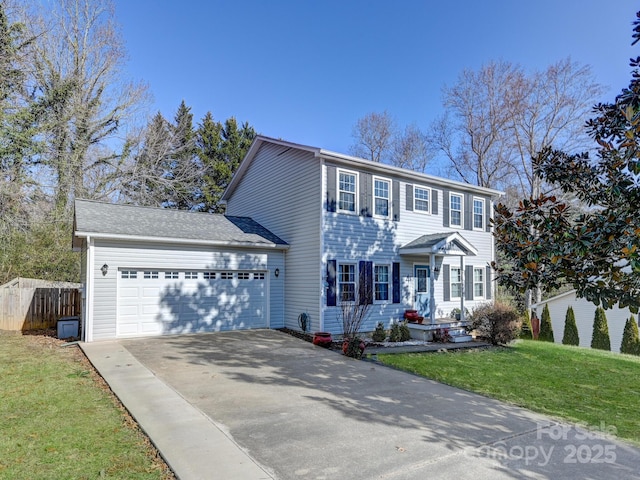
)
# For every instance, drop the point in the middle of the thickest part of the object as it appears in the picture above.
(30, 308)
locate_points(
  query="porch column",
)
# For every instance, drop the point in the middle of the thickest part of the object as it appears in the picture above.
(462, 292)
(432, 289)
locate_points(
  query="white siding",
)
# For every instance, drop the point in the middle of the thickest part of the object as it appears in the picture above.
(584, 312)
(119, 255)
(353, 238)
(281, 190)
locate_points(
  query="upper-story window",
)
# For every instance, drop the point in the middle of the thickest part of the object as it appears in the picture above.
(421, 199)
(455, 210)
(347, 191)
(381, 197)
(478, 213)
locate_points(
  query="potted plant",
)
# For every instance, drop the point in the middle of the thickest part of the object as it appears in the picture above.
(322, 339)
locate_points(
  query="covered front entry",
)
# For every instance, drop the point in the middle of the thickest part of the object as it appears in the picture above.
(157, 302)
(433, 248)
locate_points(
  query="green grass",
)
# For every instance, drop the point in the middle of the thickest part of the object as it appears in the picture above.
(576, 384)
(57, 422)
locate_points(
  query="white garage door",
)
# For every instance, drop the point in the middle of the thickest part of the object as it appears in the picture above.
(156, 302)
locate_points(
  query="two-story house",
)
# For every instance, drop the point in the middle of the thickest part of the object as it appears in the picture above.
(403, 239)
(305, 229)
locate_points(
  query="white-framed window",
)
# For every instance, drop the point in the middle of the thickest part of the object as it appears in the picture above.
(244, 275)
(172, 275)
(381, 197)
(209, 275)
(258, 276)
(347, 282)
(226, 275)
(478, 283)
(422, 199)
(347, 191)
(150, 274)
(128, 274)
(190, 275)
(455, 277)
(478, 213)
(455, 210)
(381, 279)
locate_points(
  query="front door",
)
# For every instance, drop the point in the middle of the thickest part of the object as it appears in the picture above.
(421, 275)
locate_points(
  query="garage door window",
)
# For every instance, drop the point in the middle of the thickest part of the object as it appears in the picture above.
(209, 275)
(244, 275)
(150, 274)
(190, 275)
(128, 274)
(258, 276)
(172, 275)
(226, 275)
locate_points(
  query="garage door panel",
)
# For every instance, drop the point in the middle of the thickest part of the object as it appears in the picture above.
(153, 306)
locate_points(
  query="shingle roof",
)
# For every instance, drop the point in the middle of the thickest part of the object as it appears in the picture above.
(427, 241)
(97, 218)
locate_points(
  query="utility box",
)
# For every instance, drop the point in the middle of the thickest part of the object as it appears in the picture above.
(68, 327)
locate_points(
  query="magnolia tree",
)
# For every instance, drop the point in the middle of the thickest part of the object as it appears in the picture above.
(596, 250)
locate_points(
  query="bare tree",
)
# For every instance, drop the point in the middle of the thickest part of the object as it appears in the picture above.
(373, 135)
(77, 60)
(378, 138)
(471, 134)
(556, 104)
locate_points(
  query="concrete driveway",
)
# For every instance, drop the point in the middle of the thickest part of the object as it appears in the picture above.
(297, 411)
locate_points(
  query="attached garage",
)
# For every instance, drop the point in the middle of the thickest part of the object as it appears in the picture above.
(153, 302)
(152, 271)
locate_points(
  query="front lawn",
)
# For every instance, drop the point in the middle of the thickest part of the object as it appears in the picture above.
(578, 384)
(58, 422)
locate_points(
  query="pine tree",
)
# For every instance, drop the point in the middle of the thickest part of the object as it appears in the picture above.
(600, 338)
(570, 336)
(525, 331)
(546, 329)
(630, 339)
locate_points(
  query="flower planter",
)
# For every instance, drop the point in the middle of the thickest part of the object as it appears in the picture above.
(322, 339)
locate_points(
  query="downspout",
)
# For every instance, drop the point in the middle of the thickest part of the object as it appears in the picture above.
(88, 333)
(462, 288)
(323, 269)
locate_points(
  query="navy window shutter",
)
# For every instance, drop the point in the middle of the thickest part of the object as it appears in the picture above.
(488, 282)
(365, 287)
(331, 283)
(467, 206)
(445, 208)
(395, 276)
(395, 204)
(434, 202)
(487, 205)
(409, 194)
(468, 282)
(331, 189)
(446, 282)
(366, 194)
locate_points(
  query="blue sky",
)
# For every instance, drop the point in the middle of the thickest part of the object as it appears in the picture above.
(305, 70)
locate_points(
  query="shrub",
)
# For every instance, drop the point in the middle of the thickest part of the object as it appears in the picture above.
(379, 334)
(405, 333)
(570, 336)
(497, 322)
(546, 329)
(399, 332)
(600, 338)
(441, 335)
(630, 339)
(525, 330)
